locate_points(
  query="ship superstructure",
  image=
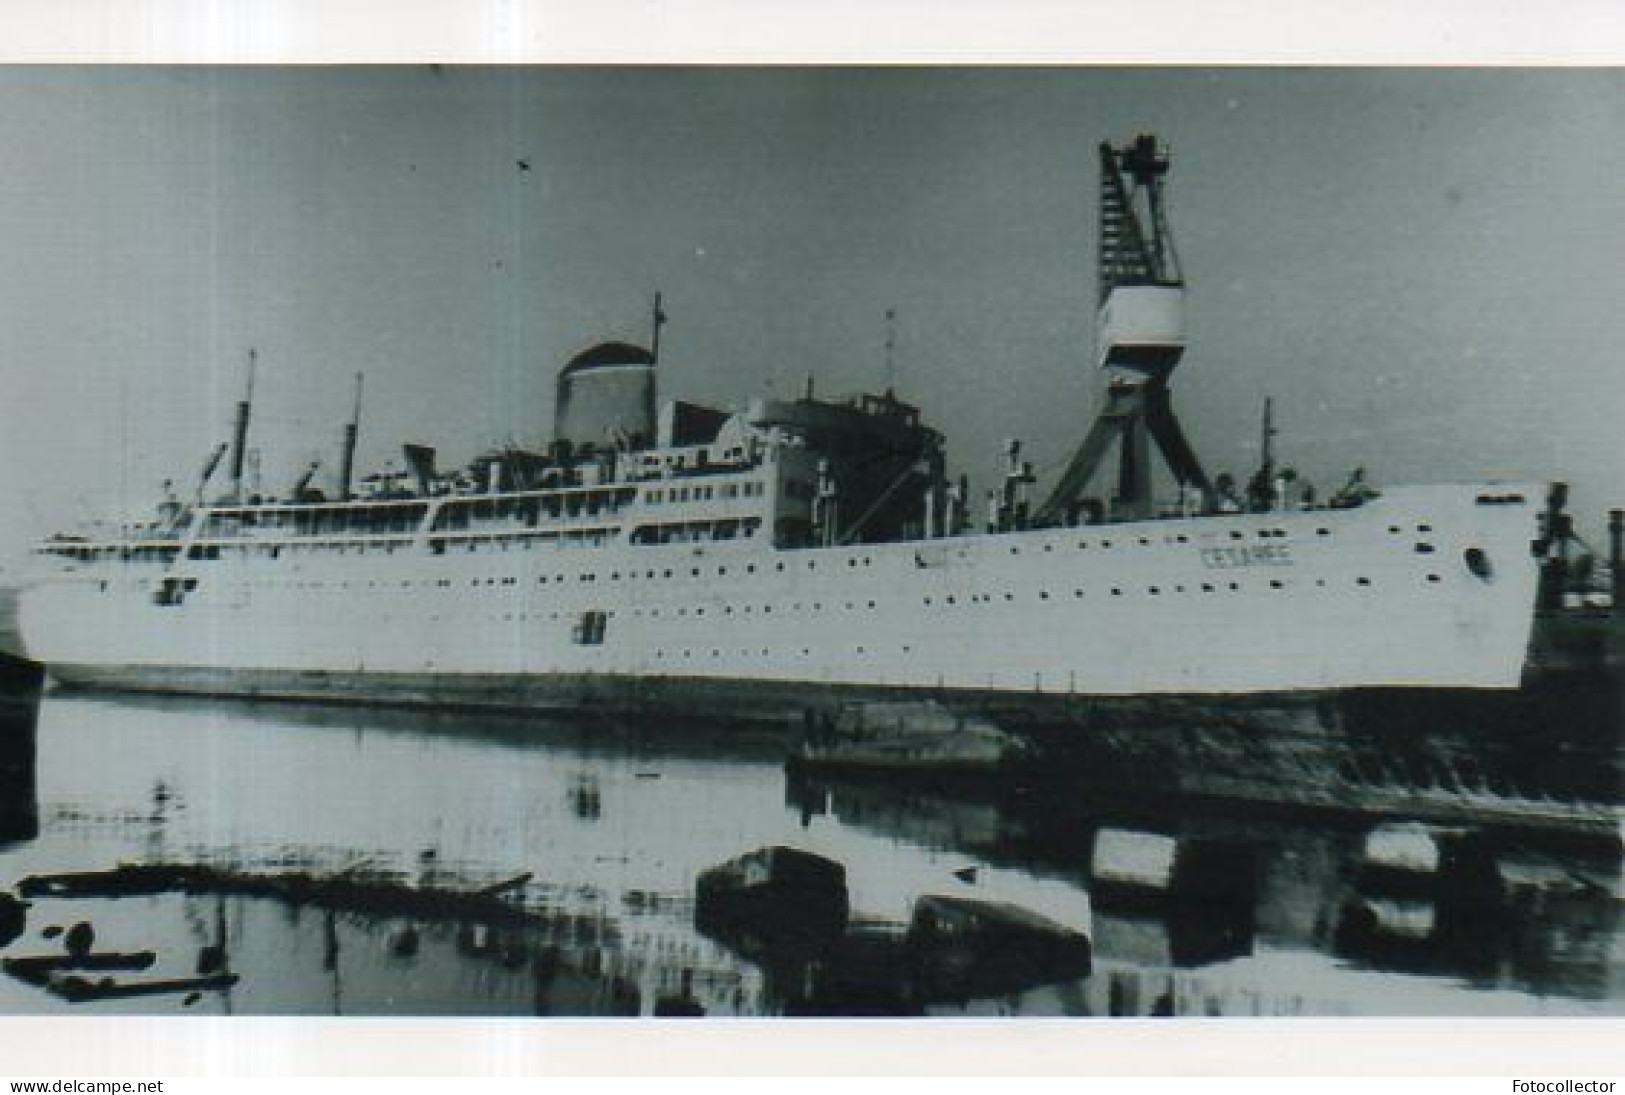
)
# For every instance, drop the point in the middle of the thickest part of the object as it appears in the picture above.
(680, 554)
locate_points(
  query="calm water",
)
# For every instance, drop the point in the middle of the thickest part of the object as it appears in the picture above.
(613, 823)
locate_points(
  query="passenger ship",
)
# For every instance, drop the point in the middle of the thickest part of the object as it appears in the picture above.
(687, 558)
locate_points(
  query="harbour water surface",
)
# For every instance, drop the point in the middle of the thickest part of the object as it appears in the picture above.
(598, 832)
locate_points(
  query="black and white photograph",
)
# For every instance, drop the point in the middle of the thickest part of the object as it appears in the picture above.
(641, 542)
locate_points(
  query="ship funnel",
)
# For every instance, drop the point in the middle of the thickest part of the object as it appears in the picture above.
(420, 458)
(606, 394)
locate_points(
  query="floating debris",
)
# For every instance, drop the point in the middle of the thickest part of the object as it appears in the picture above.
(965, 949)
(376, 896)
(38, 969)
(13, 918)
(80, 939)
(918, 737)
(773, 897)
(77, 990)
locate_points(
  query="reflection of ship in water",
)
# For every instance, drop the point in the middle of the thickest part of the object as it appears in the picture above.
(1200, 913)
(371, 944)
(571, 883)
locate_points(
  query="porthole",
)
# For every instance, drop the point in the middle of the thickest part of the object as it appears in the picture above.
(1478, 563)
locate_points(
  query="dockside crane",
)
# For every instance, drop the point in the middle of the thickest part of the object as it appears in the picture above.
(1140, 338)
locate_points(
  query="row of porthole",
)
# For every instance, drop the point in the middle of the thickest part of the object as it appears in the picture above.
(806, 651)
(1116, 591)
(1180, 538)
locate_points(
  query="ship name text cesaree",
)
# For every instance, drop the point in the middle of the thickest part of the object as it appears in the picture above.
(1252, 555)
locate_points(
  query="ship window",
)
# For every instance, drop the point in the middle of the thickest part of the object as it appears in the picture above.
(1207, 587)
(1116, 592)
(1236, 534)
(1424, 549)
(1424, 528)
(1049, 547)
(1362, 581)
(1323, 532)
(1275, 583)
(1043, 595)
(1434, 578)
(1154, 591)
(1077, 593)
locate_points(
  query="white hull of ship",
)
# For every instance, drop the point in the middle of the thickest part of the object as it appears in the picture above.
(1425, 587)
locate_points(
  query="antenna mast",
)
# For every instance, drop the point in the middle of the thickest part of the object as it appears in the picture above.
(658, 321)
(891, 350)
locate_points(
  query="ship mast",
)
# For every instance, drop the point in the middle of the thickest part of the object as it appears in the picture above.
(657, 320)
(1140, 338)
(239, 436)
(352, 429)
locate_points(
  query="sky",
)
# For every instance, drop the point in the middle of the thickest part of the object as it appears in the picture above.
(1421, 267)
